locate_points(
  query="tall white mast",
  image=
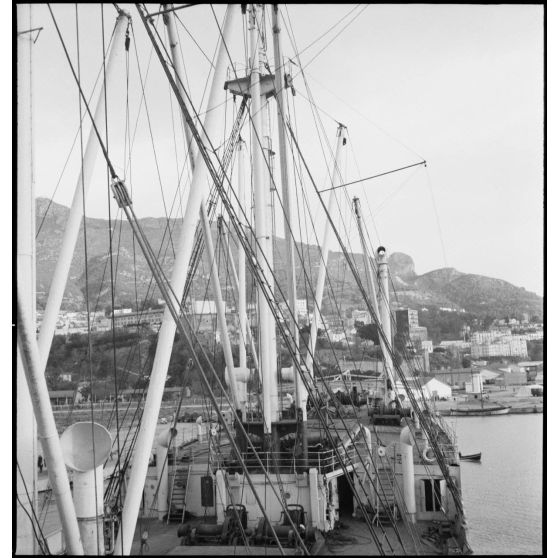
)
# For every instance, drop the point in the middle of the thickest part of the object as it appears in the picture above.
(288, 209)
(178, 65)
(372, 286)
(219, 306)
(268, 365)
(236, 285)
(25, 422)
(241, 147)
(71, 232)
(385, 314)
(324, 250)
(168, 327)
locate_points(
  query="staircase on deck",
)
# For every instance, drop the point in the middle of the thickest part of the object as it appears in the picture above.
(177, 496)
(386, 510)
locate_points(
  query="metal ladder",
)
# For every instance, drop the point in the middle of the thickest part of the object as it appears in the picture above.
(179, 489)
(386, 510)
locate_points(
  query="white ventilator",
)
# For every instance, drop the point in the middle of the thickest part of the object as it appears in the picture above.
(85, 447)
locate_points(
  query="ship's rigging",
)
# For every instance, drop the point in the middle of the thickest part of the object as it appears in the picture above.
(274, 297)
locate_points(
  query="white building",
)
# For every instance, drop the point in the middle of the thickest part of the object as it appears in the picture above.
(362, 316)
(457, 343)
(433, 388)
(507, 346)
(204, 307)
(427, 345)
(301, 306)
(337, 336)
(429, 388)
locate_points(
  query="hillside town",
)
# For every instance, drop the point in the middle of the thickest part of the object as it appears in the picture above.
(497, 356)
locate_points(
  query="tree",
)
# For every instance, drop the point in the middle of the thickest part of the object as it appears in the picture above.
(370, 332)
(535, 350)
(85, 391)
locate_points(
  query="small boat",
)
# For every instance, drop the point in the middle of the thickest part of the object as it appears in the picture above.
(480, 411)
(470, 457)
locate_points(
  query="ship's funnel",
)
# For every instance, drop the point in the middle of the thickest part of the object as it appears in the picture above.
(85, 447)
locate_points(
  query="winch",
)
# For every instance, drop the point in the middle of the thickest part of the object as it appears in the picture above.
(228, 533)
(284, 529)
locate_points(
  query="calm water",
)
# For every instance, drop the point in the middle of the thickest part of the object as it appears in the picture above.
(503, 494)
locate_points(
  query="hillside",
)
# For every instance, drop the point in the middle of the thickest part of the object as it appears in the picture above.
(446, 287)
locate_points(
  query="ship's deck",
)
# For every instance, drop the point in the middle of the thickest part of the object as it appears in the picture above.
(351, 539)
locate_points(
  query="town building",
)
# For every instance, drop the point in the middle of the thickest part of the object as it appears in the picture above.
(457, 344)
(511, 346)
(361, 317)
(405, 320)
(418, 333)
(151, 317)
(533, 370)
(432, 388)
(427, 346)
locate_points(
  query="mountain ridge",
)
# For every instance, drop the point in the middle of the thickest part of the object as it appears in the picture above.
(444, 287)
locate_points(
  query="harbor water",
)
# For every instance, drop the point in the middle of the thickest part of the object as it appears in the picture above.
(503, 495)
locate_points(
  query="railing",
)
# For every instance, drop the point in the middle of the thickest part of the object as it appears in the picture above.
(324, 461)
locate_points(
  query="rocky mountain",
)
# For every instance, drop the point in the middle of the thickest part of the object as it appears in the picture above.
(449, 287)
(445, 287)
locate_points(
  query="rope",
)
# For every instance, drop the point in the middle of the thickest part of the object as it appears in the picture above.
(86, 263)
(223, 195)
(40, 537)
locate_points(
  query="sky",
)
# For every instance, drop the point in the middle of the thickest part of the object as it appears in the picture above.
(460, 86)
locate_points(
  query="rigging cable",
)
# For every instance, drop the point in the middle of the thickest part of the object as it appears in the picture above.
(39, 536)
(86, 263)
(231, 211)
(271, 296)
(51, 199)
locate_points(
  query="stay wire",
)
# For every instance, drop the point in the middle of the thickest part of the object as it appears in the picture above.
(39, 536)
(105, 147)
(207, 161)
(76, 136)
(423, 420)
(86, 263)
(291, 233)
(150, 128)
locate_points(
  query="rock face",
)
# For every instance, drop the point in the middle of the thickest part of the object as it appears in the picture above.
(402, 265)
(442, 287)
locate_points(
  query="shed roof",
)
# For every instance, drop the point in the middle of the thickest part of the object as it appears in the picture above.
(61, 393)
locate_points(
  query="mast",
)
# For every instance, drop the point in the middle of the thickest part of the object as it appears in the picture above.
(301, 392)
(241, 146)
(220, 307)
(25, 422)
(268, 364)
(236, 284)
(385, 314)
(168, 327)
(324, 250)
(71, 232)
(371, 284)
(178, 66)
(28, 352)
(180, 77)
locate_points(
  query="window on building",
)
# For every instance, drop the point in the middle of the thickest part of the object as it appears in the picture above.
(432, 494)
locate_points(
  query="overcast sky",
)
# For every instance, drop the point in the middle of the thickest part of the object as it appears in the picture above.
(458, 86)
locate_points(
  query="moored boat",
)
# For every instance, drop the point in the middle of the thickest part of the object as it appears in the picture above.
(470, 457)
(482, 411)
